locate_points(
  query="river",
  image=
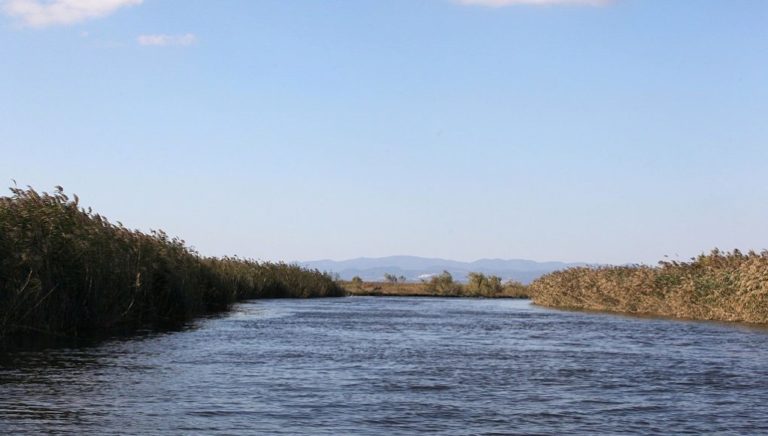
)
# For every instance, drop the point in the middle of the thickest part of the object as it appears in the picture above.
(382, 366)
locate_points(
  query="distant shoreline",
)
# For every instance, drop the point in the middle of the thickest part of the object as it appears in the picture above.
(421, 289)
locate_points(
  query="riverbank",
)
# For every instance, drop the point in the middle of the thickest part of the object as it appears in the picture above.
(720, 286)
(425, 289)
(69, 272)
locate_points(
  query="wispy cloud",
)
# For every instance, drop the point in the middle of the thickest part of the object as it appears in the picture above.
(166, 40)
(500, 3)
(42, 13)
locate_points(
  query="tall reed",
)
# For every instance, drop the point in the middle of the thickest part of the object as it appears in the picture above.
(725, 286)
(69, 271)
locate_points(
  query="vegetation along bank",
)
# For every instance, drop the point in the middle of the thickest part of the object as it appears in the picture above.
(70, 272)
(440, 285)
(722, 286)
(66, 271)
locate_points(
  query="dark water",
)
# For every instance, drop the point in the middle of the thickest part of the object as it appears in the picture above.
(399, 366)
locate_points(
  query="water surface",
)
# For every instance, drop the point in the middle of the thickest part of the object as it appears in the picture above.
(366, 365)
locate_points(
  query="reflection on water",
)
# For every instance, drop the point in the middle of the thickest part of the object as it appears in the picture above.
(396, 365)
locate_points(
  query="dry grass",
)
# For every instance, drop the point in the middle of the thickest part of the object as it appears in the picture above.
(69, 271)
(724, 286)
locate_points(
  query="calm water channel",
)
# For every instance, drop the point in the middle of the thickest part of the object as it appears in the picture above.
(365, 365)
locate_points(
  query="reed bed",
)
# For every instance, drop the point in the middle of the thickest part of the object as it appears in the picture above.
(69, 271)
(723, 286)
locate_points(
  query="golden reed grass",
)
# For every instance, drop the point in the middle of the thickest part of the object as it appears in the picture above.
(723, 286)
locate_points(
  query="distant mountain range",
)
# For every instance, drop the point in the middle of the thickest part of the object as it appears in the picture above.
(416, 268)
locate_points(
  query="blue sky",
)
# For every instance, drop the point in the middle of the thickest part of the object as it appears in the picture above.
(602, 131)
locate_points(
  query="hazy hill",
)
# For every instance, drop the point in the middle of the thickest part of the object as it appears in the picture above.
(414, 268)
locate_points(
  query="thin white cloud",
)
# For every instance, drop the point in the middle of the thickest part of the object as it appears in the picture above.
(166, 40)
(501, 3)
(42, 13)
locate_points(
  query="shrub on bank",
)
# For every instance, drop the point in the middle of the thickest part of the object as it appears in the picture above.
(480, 285)
(443, 285)
(515, 289)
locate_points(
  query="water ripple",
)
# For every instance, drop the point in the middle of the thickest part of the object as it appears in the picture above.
(375, 366)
